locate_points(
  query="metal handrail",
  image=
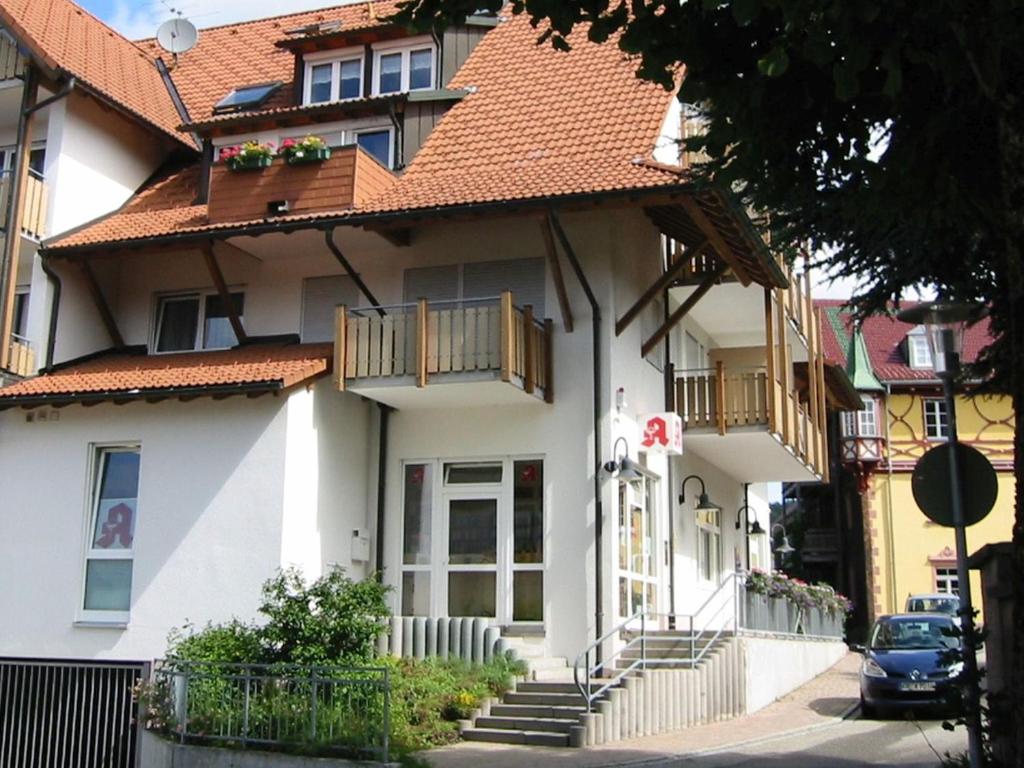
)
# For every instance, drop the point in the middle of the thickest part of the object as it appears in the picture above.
(586, 687)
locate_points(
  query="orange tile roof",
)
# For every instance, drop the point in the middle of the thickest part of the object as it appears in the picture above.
(121, 375)
(244, 54)
(68, 38)
(536, 123)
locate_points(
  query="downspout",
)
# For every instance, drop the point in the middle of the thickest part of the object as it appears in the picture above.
(670, 405)
(888, 518)
(595, 310)
(382, 468)
(51, 335)
(329, 239)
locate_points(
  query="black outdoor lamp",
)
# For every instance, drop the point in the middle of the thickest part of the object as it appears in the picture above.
(944, 323)
(752, 529)
(785, 548)
(623, 467)
(704, 504)
(756, 529)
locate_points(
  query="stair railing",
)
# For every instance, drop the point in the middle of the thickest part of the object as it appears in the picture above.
(582, 668)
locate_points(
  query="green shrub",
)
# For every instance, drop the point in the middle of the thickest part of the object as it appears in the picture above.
(232, 642)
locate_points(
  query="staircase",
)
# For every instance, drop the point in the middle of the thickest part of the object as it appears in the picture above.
(669, 649)
(535, 713)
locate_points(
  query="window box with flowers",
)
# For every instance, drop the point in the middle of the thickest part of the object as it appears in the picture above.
(248, 156)
(311, 149)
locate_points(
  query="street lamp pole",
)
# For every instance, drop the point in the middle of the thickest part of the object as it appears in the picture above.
(973, 708)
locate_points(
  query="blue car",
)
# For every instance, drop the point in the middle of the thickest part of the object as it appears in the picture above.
(911, 662)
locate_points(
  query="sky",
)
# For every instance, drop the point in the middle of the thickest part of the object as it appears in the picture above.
(137, 19)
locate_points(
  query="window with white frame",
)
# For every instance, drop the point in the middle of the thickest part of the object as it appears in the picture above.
(862, 423)
(403, 66)
(379, 143)
(919, 353)
(20, 321)
(946, 580)
(199, 320)
(479, 280)
(936, 419)
(113, 508)
(333, 76)
(709, 544)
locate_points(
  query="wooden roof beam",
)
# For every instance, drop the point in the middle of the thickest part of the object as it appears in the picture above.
(93, 286)
(556, 274)
(683, 309)
(725, 253)
(222, 289)
(657, 287)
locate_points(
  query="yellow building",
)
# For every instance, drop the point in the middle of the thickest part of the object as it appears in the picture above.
(904, 415)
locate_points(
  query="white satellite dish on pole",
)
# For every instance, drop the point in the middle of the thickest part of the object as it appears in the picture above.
(177, 36)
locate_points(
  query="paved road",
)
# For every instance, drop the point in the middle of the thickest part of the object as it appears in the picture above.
(850, 744)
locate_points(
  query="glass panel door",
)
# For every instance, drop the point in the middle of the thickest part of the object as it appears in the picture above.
(637, 580)
(472, 563)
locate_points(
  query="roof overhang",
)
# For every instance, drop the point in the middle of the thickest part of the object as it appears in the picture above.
(289, 117)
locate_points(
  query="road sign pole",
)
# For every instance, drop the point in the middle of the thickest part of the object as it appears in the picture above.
(973, 704)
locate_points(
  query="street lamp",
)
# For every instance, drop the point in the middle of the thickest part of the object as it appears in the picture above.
(944, 323)
(785, 548)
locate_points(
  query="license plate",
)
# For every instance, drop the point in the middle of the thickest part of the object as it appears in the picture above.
(917, 686)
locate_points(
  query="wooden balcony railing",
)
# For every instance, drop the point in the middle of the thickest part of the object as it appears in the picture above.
(12, 63)
(22, 360)
(426, 340)
(33, 213)
(724, 399)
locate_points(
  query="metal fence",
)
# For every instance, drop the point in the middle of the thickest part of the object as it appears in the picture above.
(343, 711)
(760, 613)
(64, 714)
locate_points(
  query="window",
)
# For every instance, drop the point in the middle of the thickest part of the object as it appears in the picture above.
(936, 421)
(479, 280)
(20, 322)
(195, 321)
(334, 76)
(320, 295)
(246, 97)
(404, 67)
(377, 143)
(918, 352)
(36, 159)
(947, 581)
(709, 544)
(862, 423)
(111, 537)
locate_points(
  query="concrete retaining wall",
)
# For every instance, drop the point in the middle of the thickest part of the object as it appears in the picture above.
(777, 665)
(470, 639)
(156, 752)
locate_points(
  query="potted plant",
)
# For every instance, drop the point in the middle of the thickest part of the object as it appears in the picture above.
(311, 149)
(249, 155)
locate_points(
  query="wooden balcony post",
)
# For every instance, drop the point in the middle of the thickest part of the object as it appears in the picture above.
(720, 395)
(529, 351)
(507, 337)
(421, 342)
(769, 349)
(784, 374)
(340, 346)
(814, 445)
(549, 361)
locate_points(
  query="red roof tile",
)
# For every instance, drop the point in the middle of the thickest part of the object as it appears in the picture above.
(68, 38)
(244, 54)
(122, 374)
(883, 337)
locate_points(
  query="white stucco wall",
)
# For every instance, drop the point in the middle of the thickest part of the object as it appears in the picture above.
(774, 666)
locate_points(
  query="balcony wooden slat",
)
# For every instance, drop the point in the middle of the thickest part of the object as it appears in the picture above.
(458, 341)
(444, 341)
(433, 342)
(387, 348)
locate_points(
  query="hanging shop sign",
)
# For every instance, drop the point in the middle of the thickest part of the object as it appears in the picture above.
(662, 433)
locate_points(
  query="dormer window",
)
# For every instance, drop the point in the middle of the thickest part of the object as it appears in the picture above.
(401, 66)
(919, 354)
(246, 97)
(334, 76)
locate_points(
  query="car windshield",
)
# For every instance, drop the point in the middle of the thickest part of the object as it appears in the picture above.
(914, 633)
(948, 605)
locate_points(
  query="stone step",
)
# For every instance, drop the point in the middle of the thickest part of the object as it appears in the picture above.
(552, 725)
(546, 662)
(547, 687)
(530, 738)
(545, 699)
(553, 675)
(537, 710)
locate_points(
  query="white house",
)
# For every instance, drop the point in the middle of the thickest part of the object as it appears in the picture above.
(416, 356)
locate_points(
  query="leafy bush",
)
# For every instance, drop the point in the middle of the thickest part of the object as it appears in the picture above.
(779, 585)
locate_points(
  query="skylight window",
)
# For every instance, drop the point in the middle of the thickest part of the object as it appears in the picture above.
(246, 97)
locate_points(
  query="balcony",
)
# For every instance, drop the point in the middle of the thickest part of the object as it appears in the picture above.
(21, 360)
(482, 351)
(863, 449)
(33, 212)
(743, 420)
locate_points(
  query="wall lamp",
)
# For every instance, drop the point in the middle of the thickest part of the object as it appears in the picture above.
(623, 467)
(703, 502)
(754, 529)
(784, 548)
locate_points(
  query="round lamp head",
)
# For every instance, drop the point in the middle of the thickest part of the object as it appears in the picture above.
(704, 504)
(784, 548)
(756, 529)
(629, 470)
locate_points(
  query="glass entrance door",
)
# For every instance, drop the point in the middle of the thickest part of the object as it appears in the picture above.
(637, 579)
(472, 562)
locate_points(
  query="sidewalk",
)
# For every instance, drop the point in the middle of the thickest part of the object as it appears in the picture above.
(821, 702)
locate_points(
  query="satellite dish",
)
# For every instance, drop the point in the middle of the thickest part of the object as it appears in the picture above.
(177, 36)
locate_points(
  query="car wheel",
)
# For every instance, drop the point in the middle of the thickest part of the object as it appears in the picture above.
(866, 710)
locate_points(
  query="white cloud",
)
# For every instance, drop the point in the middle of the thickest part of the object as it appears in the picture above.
(136, 19)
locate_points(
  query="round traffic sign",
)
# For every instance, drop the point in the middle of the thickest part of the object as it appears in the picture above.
(930, 484)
